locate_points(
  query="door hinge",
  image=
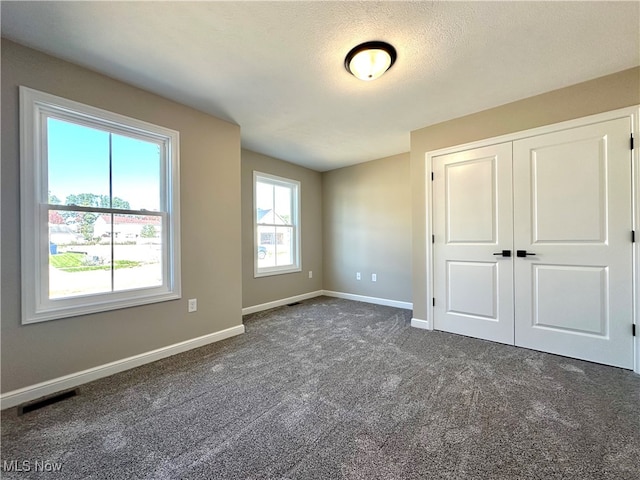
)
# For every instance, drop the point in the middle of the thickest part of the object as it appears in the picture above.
(433, 239)
(432, 176)
(434, 301)
(631, 141)
(633, 236)
(633, 329)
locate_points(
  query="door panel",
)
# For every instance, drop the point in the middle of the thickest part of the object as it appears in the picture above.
(570, 299)
(472, 218)
(568, 187)
(480, 278)
(572, 211)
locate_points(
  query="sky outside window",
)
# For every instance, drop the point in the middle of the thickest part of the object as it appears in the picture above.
(78, 162)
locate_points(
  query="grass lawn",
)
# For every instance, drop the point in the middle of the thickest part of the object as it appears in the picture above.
(76, 262)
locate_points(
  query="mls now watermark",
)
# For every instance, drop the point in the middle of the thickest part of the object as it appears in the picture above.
(31, 466)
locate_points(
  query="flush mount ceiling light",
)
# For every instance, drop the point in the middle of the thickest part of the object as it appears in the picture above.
(370, 60)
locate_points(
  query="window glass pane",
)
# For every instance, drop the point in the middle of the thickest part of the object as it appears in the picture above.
(77, 266)
(284, 246)
(137, 251)
(136, 167)
(266, 246)
(264, 203)
(283, 205)
(78, 164)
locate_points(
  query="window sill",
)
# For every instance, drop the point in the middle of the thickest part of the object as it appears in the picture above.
(67, 311)
(270, 273)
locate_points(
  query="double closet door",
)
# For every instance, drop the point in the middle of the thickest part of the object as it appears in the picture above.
(532, 243)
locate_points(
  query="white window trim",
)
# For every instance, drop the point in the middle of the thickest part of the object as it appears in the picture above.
(36, 305)
(278, 270)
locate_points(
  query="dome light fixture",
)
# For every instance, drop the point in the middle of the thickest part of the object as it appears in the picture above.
(370, 60)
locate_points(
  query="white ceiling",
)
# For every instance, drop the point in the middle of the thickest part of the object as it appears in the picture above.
(276, 68)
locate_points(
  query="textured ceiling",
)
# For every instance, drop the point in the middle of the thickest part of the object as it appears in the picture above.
(276, 68)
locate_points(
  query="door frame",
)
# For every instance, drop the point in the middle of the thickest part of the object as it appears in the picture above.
(632, 113)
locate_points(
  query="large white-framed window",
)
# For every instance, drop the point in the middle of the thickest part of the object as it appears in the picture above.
(276, 220)
(100, 212)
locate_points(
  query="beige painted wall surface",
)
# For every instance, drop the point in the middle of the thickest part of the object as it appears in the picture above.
(256, 291)
(603, 94)
(367, 228)
(211, 232)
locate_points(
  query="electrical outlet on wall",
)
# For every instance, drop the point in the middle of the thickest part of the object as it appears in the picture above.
(310, 274)
(374, 277)
(358, 276)
(193, 305)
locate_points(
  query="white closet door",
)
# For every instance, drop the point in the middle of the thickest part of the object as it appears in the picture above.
(572, 215)
(472, 217)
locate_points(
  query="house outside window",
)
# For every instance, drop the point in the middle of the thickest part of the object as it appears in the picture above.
(100, 209)
(276, 225)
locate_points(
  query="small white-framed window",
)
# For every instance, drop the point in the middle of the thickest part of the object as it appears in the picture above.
(276, 220)
(100, 213)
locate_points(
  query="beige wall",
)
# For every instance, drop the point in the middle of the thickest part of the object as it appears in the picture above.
(256, 291)
(367, 228)
(596, 96)
(211, 232)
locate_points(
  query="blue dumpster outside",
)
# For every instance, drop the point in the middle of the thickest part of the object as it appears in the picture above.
(53, 248)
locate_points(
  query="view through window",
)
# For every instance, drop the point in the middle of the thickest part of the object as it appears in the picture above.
(276, 216)
(114, 242)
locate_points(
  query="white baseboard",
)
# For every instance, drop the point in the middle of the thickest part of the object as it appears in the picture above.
(376, 300)
(328, 293)
(424, 324)
(281, 302)
(636, 367)
(39, 390)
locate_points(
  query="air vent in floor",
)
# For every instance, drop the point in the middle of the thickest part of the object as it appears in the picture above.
(30, 407)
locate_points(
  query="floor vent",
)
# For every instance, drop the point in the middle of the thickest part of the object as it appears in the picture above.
(45, 402)
(292, 304)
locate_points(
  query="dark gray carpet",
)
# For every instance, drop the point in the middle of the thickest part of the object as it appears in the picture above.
(332, 389)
